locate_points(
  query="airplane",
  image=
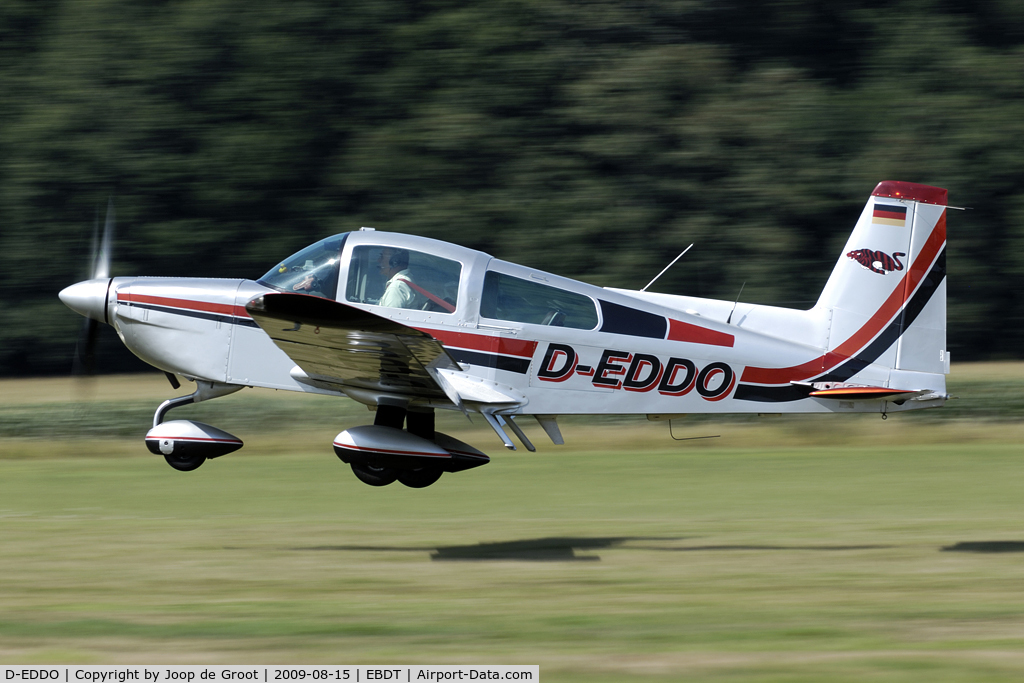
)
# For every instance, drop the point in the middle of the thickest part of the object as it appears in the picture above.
(407, 325)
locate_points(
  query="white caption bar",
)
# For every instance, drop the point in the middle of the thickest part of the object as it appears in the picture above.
(266, 674)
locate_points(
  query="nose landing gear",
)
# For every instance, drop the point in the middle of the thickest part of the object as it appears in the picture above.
(186, 444)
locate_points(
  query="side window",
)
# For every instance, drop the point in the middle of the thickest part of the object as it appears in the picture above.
(524, 301)
(403, 278)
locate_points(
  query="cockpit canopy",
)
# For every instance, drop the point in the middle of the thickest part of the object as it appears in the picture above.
(415, 279)
(378, 275)
(314, 270)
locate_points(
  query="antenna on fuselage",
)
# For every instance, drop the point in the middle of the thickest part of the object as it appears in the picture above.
(667, 267)
(729, 321)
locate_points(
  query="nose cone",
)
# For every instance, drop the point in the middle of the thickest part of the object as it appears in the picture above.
(88, 298)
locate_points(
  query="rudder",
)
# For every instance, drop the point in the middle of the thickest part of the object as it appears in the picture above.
(887, 293)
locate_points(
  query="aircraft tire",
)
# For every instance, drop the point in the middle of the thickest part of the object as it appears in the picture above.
(184, 464)
(420, 478)
(374, 476)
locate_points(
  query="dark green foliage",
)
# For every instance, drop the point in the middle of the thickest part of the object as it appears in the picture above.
(593, 139)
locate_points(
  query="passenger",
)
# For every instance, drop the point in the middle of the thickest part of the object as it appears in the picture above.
(399, 291)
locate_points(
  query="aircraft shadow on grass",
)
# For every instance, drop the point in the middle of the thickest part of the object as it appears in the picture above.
(564, 548)
(556, 548)
(985, 547)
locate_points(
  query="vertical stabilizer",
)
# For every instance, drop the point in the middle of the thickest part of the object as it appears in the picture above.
(887, 294)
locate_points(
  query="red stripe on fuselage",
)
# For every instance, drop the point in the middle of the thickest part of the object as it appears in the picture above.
(889, 309)
(477, 342)
(188, 304)
(482, 342)
(685, 332)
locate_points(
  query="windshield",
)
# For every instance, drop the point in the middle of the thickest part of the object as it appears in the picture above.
(314, 270)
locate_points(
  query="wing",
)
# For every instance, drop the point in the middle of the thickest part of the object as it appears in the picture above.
(334, 343)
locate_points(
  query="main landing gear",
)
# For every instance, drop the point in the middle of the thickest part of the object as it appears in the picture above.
(401, 445)
(417, 456)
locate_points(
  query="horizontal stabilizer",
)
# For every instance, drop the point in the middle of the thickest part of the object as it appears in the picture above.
(859, 392)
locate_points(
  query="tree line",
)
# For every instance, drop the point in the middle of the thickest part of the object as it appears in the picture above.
(594, 139)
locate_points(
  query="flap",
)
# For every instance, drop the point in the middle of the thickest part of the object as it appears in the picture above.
(478, 390)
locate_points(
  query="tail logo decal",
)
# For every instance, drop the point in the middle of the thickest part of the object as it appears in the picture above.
(877, 261)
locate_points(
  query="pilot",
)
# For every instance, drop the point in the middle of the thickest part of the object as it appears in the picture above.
(313, 284)
(400, 291)
(310, 284)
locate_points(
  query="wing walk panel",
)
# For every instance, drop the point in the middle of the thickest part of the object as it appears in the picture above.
(334, 342)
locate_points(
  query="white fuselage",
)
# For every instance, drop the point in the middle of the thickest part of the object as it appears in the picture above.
(648, 353)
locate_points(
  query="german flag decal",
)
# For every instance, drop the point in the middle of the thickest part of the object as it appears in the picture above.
(888, 214)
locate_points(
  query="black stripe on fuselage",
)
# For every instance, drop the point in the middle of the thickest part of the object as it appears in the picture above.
(620, 319)
(202, 315)
(870, 353)
(490, 360)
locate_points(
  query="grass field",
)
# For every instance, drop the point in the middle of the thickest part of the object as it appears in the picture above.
(838, 549)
